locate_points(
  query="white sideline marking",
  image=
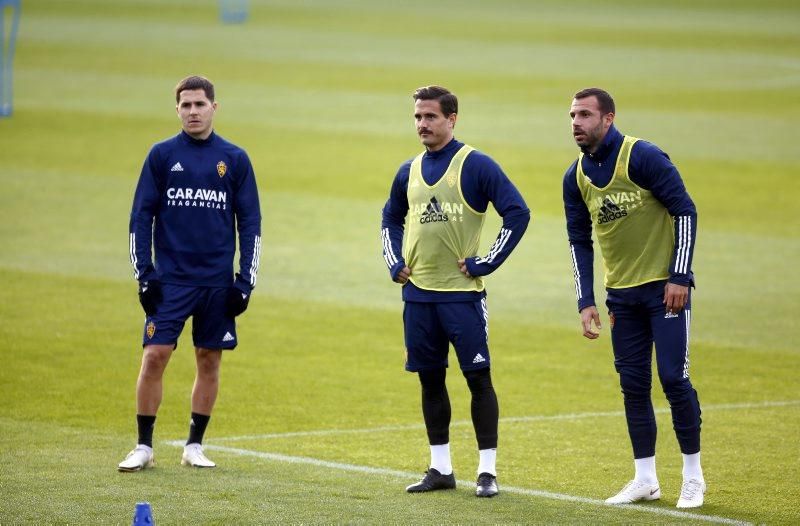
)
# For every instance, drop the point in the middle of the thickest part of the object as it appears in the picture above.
(277, 457)
(509, 419)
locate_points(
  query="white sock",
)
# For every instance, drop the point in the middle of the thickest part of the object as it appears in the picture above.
(440, 459)
(488, 461)
(691, 467)
(645, 470)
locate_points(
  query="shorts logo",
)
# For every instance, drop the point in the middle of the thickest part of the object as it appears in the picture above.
(228, 337)
(222, 168)
(611, 319)
(478, 358)
(151, 329)
(670, 314)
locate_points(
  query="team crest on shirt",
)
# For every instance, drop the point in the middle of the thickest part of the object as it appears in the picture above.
(451, 179)
(222, 168)
(151, 329)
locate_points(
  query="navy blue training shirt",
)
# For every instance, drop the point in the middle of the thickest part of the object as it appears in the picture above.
(192, 197)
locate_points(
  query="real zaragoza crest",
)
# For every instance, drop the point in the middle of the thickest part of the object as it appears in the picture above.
(451, 179)
(151, 329)
(222, 168)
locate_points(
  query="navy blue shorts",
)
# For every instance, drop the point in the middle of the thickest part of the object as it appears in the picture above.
(431, 327)
(211, 328)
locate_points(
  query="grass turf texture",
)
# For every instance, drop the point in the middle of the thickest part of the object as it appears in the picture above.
(319, 95)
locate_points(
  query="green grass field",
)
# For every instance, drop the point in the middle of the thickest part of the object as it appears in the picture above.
(316, 421)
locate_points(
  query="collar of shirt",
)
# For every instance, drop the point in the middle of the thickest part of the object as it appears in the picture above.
(449, 150)
(435, 164)
(188, 139)
(608, 145)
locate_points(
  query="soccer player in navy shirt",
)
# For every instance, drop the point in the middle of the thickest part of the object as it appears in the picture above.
(441, 196)
(631, 194)
(195, 191)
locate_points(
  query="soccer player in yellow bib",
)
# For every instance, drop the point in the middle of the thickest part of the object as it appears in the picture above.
(631, 194)
(439, 199)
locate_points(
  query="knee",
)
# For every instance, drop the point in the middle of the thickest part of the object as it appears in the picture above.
(675, 385)
(635, 385)
(155, 359)
(479, 381)
(433, 381)
(208, 363)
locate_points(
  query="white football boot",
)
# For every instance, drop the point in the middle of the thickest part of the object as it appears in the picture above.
(635, 491)
(193, 456)
(692, 492)
(141, 457)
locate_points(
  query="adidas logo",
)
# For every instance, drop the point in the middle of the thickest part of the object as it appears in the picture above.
(609, 207)
(670, 315)
(478, 358)
(228, 337)
(434, 207)
(609, 211)
(176, 167)
(433, 213)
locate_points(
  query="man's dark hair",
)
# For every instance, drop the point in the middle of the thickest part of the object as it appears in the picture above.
(604, 99)
(447, 100)
(193, 82)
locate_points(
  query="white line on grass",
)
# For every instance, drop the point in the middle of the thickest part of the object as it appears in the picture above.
(277, 457)
(509, 419)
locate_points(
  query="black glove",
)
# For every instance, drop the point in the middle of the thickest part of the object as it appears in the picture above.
(150, 295)
(236, 302)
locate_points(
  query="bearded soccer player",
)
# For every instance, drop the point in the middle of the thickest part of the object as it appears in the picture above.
(442, 196)
(195, 191)
(631, 194)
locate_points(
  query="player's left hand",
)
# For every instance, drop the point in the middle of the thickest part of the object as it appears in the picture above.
(462, 266)
(236, 302)
(675, 297)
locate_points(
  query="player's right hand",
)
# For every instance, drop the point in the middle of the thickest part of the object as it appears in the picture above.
(403, 275)
(588, 315)
(149, 295)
